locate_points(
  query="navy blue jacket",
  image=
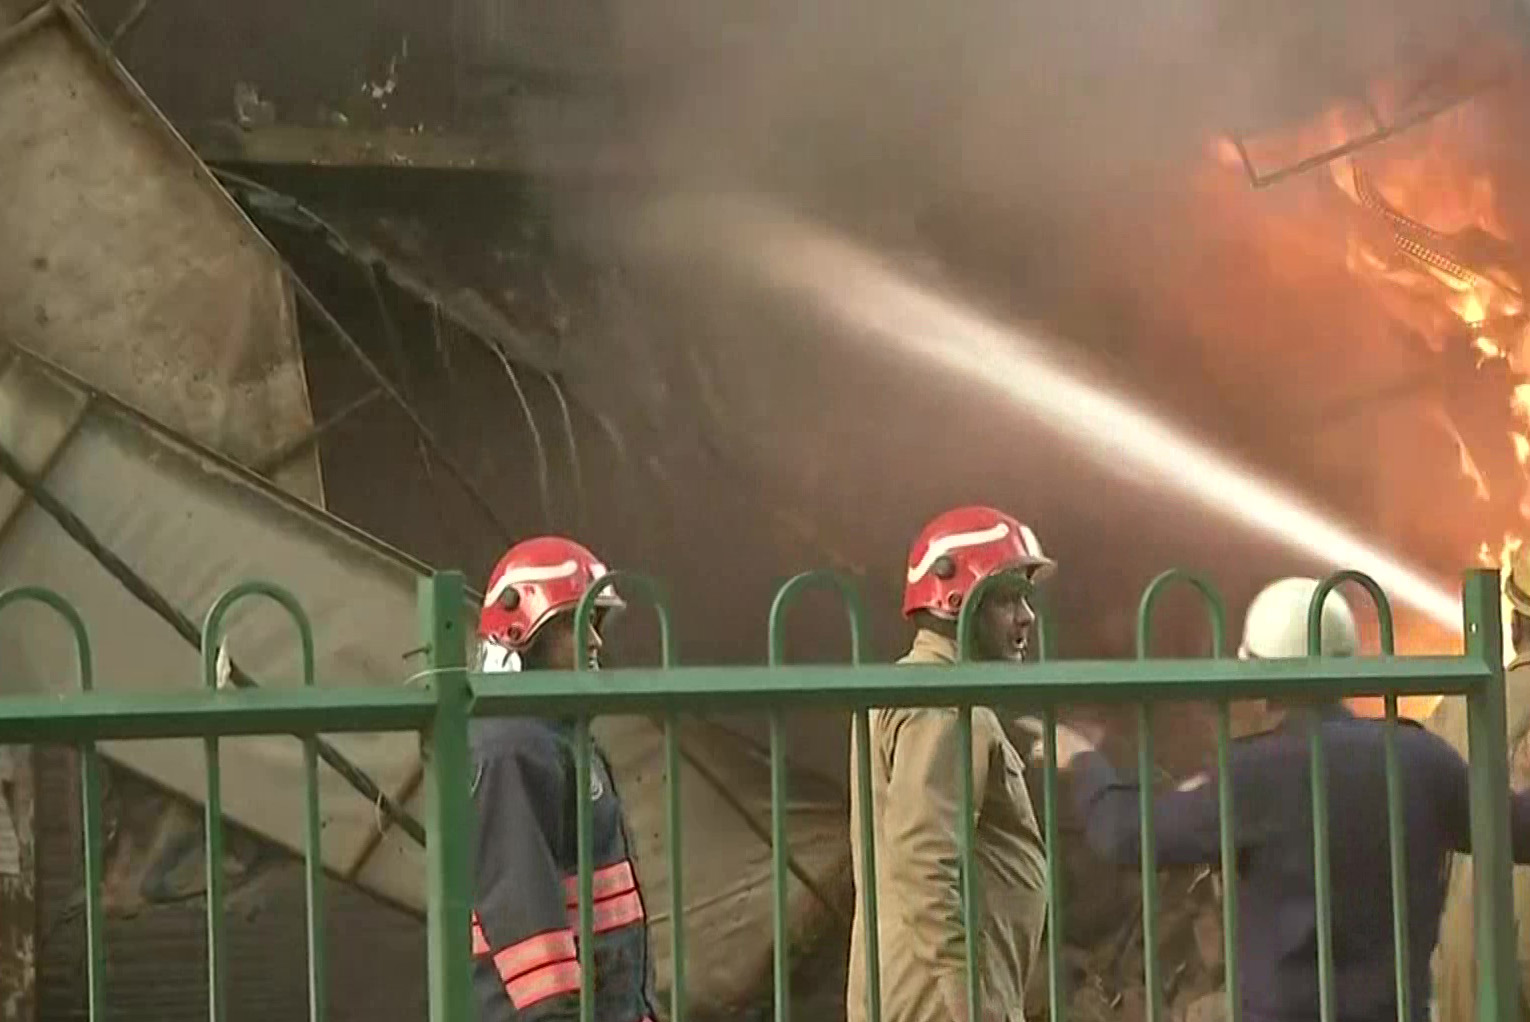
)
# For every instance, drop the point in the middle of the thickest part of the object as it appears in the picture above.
(1272, 816)
(526, 894)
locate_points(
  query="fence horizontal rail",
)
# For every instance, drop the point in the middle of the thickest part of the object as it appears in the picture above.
(438, 707)
(699, 689)
(103, 716)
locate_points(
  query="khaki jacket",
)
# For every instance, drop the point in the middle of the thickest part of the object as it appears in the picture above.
(915, 806)
(1455, 988)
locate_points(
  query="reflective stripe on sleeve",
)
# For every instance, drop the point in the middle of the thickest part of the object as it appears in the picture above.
(606, 882)
(540, 984)
(534, 953)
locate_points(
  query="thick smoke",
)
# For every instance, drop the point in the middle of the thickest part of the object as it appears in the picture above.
(1051, 163)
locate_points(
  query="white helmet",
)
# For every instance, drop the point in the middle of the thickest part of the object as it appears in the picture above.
(1276, 625)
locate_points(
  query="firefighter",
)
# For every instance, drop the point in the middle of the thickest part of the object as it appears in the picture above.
(915, 797)
(1455, 965)
(526, 894)
(1271, 782)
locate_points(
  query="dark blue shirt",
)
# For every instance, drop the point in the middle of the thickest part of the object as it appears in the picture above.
(1272, 815)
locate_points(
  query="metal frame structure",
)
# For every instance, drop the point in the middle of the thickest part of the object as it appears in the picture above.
(440, 701)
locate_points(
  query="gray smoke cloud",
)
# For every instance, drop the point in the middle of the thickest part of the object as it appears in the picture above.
(1046, 161)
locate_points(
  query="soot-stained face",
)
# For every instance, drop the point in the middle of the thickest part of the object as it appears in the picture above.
(1004, 624)
(554, 650)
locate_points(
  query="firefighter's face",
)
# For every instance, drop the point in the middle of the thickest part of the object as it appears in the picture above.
(1004, 624)
(554, 646)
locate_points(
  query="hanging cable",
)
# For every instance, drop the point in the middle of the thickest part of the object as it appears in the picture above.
(531, 424)
(573, 450)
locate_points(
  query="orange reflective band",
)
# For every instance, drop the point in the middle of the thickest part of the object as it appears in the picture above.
(548, 981)
(611, 880)
(533, 953)
(613, 913)
(480, 942)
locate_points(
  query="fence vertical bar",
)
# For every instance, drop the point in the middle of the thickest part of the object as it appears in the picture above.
(672, 823)
(1018, 580)
(967, 840)
(212, 827)
(868, 877)
(1399, 865)
(780, 858)
(90, 797)
(1149, 851)
(1057, 973)
(1320, 808)
(448, 848)
(211, 643)
(1227, 840)
(1492, 905)
(584, 843)
(584, 623)
(1146, 770)
(1323, 881)
(778, 873)
(95, 918)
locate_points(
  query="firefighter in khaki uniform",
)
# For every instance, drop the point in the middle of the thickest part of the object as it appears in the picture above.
(1455, 961)
(526, 886)
(916, 798)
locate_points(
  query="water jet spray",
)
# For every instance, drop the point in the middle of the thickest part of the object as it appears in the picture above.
(867, 294)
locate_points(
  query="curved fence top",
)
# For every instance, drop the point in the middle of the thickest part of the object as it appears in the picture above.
(1216, 609)
(1378, 598)
(83, 661)
(652, 591)
(824, 578)
(212, 626)
(966, 619)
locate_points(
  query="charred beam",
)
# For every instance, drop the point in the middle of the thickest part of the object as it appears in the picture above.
(299, 445)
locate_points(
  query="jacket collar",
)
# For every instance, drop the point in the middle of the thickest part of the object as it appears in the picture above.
(934, 645)
(1301, 715)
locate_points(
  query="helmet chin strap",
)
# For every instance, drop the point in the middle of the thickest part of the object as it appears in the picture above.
(498, 659)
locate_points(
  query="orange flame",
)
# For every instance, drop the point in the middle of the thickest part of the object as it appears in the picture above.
(1434, 187)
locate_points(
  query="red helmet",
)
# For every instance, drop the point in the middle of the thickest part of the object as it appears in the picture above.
(960, 548)
(535, 581)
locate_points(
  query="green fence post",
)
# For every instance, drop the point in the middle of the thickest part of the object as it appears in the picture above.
(966, 633)
(1146, 769)
(448, 847)
(1493, 902)
(584, 619)
(1396, 844)
(776, 656)
(90, 797)
(313, 855)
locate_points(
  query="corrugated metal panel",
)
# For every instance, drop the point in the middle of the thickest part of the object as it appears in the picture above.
(190, 526)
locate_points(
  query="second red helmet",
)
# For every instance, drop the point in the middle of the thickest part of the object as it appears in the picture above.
(960, 548)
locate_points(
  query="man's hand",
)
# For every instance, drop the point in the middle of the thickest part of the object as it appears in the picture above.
(1072, 742)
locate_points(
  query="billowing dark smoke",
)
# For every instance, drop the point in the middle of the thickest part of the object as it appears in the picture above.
(1051, 162)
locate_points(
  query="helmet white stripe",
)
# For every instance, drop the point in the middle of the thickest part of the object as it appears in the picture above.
(535, 573)
(1030, 542)
(958, 541)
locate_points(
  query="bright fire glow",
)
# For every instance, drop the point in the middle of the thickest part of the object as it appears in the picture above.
(1428, 185)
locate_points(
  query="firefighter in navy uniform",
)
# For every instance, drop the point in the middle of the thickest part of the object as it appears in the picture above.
(526, 893)
(1271, 782)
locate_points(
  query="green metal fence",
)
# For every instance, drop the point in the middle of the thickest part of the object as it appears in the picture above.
(440, 707)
